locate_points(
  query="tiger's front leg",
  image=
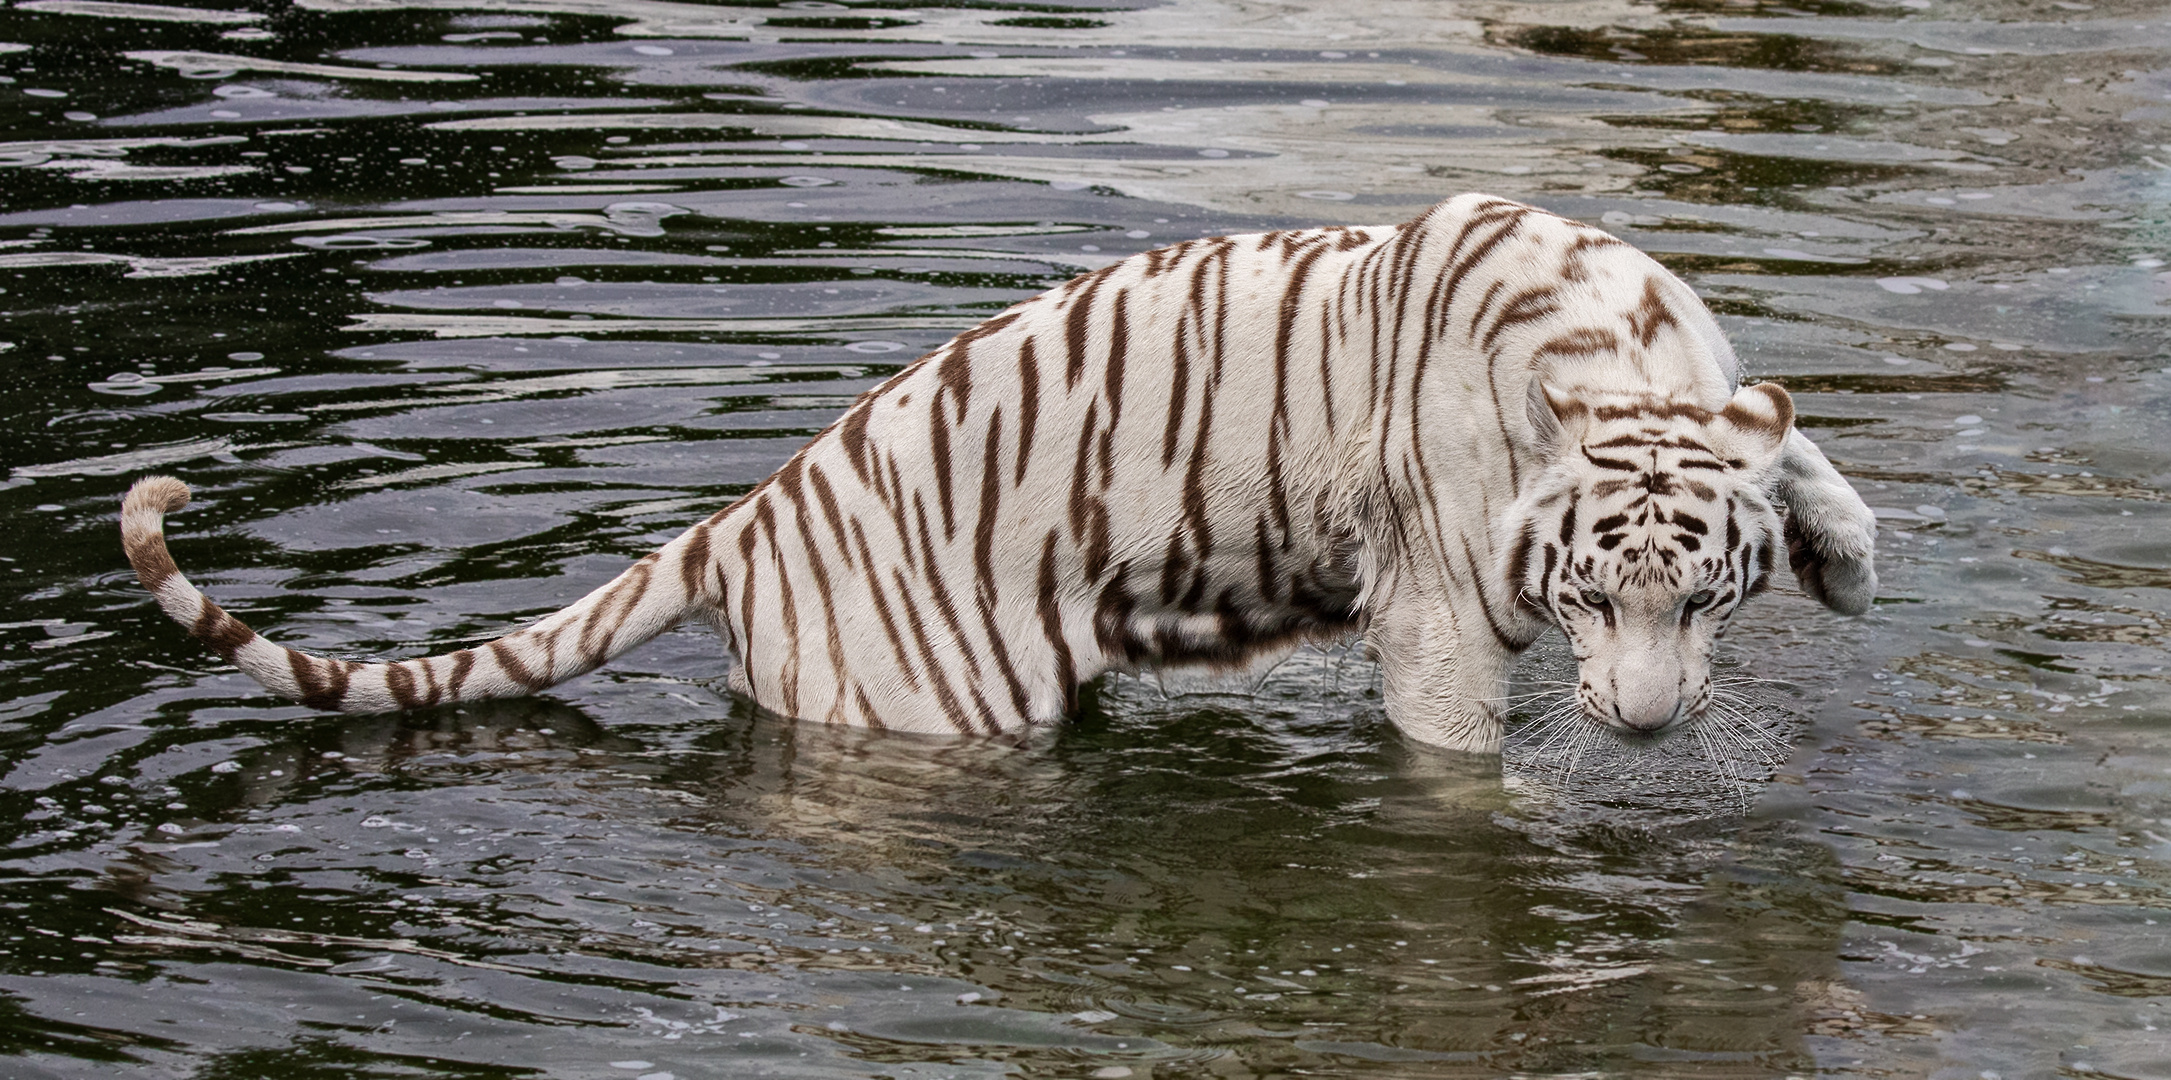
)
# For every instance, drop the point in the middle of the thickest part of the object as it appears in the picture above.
(1446, 671)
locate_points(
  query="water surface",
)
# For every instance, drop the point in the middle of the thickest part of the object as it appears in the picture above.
(449, 308)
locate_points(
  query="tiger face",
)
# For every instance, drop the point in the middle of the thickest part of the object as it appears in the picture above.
(1652, 526)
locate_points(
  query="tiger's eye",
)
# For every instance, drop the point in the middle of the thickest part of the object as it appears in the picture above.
(1594, 598)
(1701, 597)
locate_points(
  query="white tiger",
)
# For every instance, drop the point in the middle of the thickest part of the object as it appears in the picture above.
(1446, 435)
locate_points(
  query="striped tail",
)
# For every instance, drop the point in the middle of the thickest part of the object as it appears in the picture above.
(652, 596)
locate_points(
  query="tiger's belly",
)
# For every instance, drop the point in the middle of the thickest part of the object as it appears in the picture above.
(1227, 611)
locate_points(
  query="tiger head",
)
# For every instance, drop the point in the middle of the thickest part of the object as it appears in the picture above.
(1655, 521)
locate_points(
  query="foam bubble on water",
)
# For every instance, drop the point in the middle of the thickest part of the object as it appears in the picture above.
(806, 181)
(1909, 286)
(1213, 152)
(652, 50)
(1959, 346)
(1898, 361)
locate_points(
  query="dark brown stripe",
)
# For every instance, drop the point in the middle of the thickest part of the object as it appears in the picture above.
(985, 594)
(1051, 625)
(1119, 342)
(1588, 341)
(509, 662)
(1508, 640)
(1083, 461)
(983, 534)
(944, 605)
(1651, 314)
(765, 515)
(693, 563)
(600, 629)
(401, 683)
(1269, 584)
(747, 578)
(1179, 391)
(1077, 331)
(938, 449)
(818, 567)
(1028, 406)
(1097, 540)
(827, 498)
(1112, 619)
(1530, 305)
(463, 665)
(882, 609)
(953, 710)
(866, 710)
(323, 683)
(152, 562)
(222, 632)
(955, 368)
(897, 517)
(852, 435)
(1484, 305)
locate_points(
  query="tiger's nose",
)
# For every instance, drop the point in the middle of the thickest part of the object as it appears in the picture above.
(1651, 714)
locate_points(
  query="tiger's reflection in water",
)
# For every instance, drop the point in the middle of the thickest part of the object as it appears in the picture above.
(1147, 861)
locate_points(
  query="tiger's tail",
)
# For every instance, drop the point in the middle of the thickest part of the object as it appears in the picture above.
(653, 595)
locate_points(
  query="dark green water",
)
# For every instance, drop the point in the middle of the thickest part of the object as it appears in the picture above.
(448, 308)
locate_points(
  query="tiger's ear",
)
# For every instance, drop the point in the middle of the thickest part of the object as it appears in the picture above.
(1557, 418)
(1757, 421)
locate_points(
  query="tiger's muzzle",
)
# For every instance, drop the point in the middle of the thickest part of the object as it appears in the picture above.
(1647, 693)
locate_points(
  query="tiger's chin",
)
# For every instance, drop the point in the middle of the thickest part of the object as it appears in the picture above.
(1642, 736)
